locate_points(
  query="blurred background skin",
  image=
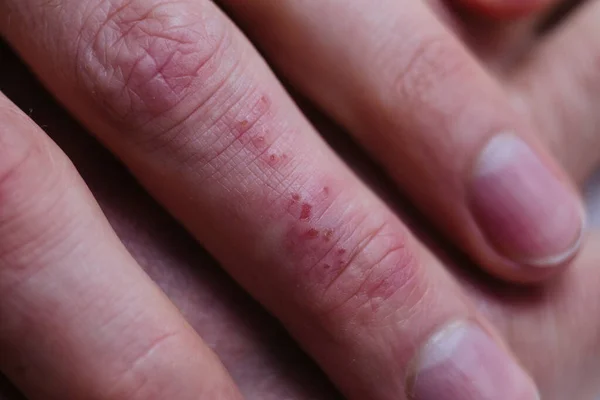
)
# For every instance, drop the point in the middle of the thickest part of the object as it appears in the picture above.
(260, 356)
(593, 199)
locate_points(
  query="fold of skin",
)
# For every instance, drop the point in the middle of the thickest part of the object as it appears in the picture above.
(263, 360)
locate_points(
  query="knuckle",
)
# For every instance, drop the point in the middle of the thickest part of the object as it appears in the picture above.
(144, 362)
(169, 72)
(32, 184)
(241, 134)
(15, 162)
(143, 60)
(435, 61)
(27, 165)
(381, 268)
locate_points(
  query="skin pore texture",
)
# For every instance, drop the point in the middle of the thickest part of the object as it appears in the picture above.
(263, 360)
(548, 326)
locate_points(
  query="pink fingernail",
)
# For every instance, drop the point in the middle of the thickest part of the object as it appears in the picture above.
(461, 362)
(528, 214)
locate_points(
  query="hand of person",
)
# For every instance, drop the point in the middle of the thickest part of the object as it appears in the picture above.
(550, 327)
(160, 164)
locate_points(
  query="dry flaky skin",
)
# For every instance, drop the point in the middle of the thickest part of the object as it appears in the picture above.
(263, 360)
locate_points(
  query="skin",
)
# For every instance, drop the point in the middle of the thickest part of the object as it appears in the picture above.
(423, 82)
(264, 361)
(569, 293)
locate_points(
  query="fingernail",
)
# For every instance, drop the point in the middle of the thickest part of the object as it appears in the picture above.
(461, 362)
(528, 214)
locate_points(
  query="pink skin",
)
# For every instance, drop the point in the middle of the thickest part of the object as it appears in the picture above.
(261, 358)
(110, 336)
(424, 110)
(293, 225)
(193, 144)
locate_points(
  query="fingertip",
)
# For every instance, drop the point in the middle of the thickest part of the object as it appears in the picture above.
(462, 361)
(531, 217)
(563, 258)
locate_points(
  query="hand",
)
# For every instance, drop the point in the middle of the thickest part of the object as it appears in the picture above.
(550, 327)
(139, 158)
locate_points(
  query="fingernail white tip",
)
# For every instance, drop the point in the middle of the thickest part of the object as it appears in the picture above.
(552, 261)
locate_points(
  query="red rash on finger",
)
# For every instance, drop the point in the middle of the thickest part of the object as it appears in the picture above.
(303, 234)
(304, 239)
(310, 227)
(273, 159)
(313, 233)
(258, 141)
(293, 203)
(306, 211)
(312, 248)
(339, 259)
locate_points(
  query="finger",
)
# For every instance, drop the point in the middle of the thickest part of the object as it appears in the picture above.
(178, 93)
(78, 318)
(439, 125)
(559, 84)
(265, 363)
(550, 327)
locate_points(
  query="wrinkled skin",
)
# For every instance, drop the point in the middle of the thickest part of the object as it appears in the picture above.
(548, 327)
